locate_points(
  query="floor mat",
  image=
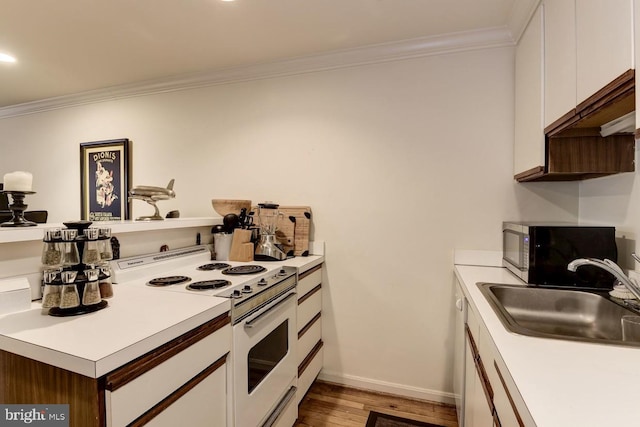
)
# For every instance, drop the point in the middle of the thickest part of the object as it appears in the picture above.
(377, 419)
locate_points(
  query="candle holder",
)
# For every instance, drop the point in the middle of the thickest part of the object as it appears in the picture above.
(17, 208)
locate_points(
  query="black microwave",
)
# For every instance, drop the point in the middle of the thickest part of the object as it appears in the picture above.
(539, 253)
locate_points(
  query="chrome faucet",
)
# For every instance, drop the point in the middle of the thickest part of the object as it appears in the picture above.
(612, 268)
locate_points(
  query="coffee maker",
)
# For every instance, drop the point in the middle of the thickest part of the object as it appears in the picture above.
(268, 248)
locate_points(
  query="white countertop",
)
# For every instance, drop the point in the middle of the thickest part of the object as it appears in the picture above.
(137, 320)
(563, 383)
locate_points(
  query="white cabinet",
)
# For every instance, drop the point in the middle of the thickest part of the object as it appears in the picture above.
(574, 73)
(310, 351)
(604, 39)
(489, 396)
(459, 356)
(478, 408)
(559, 59)
(529, 149)
(205, 404)
(169, 383)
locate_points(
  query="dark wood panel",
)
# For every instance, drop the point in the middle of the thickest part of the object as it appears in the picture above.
(145, 363)
(530, 174)
(26, 381)
(593, 155)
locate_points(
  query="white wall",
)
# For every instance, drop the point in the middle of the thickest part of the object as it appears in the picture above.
(402, 162)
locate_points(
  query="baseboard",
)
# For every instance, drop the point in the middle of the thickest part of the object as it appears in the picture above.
(387, 387)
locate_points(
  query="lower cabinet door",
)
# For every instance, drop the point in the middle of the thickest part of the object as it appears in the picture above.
(205, 405)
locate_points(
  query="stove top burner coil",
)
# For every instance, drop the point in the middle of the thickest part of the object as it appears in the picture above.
(169, 280)
(244, 269)
(213, 266)
(208, 284)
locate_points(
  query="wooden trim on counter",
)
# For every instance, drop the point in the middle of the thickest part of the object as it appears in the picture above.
(173, 397)
(145, 363)
(309, 272)
(26, 380)
(309, 325)
(307, 360)
(309, 294)
(506, 390)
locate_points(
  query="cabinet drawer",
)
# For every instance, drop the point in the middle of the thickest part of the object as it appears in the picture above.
(309, 338)
(309, 374)
(206, 404)
(130, 400)
(308, 307)
(309, 280)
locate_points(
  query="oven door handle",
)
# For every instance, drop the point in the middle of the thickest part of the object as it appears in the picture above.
(253, 322)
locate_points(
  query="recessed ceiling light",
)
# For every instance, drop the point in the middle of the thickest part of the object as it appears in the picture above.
(6, 58)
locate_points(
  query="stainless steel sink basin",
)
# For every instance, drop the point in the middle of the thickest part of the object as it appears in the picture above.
(558, 313)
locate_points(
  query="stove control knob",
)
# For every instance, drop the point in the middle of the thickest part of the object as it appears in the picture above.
(262, 282)
(236, 293)
(282, 272)
(247, 289)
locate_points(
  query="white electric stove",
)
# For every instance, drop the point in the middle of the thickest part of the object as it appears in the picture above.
(263, 315)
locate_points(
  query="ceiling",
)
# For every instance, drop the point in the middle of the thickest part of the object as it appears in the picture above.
(74, 46)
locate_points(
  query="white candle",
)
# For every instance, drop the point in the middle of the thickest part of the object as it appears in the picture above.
(17, 181)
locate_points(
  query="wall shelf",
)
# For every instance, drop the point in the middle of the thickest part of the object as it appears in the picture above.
(25, 234)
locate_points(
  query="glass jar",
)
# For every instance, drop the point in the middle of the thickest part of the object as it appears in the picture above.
(51, 294)
(52, 250)
(106, 251)
(91, 293)
(69, 296)
(70, 255)
(91, 252)
(106, 286)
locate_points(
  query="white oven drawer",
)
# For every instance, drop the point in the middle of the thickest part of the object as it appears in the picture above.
(309, 339)
(309, 281)
(134, 398)
(308, 308)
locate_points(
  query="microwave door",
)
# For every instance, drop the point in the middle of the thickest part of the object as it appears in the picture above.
(514, 251)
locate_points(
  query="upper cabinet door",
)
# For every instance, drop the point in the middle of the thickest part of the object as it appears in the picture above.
(560, 59)
(529, 130)
(604, 39)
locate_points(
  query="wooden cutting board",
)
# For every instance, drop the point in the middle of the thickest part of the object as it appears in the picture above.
(300, 217)
(293, 229)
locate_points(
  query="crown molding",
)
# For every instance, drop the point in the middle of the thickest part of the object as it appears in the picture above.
(519, 17)
(407, 49)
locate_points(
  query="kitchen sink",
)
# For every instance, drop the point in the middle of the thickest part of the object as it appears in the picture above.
(578, 315)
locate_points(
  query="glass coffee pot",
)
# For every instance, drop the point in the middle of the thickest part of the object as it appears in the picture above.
(268, 248)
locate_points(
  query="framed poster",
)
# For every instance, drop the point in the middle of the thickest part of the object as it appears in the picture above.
(104, 180)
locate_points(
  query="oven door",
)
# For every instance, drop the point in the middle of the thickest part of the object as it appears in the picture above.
(264, 360)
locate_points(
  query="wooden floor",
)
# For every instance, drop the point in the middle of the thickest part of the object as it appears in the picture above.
(330, 405)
